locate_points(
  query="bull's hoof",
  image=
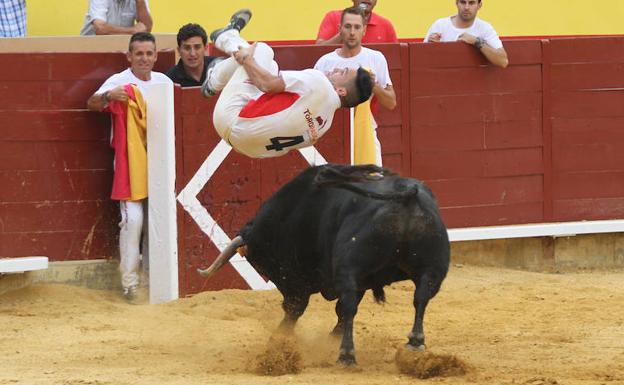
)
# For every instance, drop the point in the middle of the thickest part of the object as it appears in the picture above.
(347, 359)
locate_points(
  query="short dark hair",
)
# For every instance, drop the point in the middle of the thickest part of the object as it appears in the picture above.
(141, 36)
(352, 11)
(190, 30)
(359, 90)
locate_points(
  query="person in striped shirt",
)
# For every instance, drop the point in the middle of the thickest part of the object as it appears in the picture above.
(13, 18)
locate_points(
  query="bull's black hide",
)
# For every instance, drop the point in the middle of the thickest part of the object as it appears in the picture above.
(340, 230)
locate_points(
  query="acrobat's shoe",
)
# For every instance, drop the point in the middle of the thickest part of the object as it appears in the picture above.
(206, 89)
(238, 21)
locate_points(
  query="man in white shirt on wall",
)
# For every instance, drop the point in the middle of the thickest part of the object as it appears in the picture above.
(467, 27)
(263, 112)
(353, 55)
(117, 17)
(142, 56)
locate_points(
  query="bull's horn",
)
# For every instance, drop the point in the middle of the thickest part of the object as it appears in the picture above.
(225, 256)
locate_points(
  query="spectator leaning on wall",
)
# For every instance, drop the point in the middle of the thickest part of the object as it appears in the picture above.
(117, 17)
(353, 55)
(121, 94)
(192, 47)
(467, 27)
(378, 28)
(12, 18)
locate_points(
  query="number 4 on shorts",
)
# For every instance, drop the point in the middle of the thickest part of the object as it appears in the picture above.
(279, 143)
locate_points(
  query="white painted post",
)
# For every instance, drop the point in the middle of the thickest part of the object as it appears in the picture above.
(351, 134)
(163, 232)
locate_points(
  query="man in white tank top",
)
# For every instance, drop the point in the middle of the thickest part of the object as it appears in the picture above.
(263, 112)
(467, 27)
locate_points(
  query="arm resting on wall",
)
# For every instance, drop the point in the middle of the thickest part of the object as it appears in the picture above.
(498, 57)
(103, 28)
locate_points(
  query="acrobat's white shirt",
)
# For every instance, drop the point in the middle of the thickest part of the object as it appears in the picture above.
(270, 125)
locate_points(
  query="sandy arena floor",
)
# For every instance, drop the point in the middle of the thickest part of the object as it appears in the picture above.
(510, 327)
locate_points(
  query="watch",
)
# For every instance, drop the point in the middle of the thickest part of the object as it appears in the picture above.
(479, 43)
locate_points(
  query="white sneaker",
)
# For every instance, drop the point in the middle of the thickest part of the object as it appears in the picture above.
(238, 21)
(206, 89)
(130, 293)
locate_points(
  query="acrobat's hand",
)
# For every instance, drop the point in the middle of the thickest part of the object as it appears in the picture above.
(373, 75)
(244, 53)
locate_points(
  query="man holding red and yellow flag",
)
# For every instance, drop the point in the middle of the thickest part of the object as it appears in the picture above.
(121, 95)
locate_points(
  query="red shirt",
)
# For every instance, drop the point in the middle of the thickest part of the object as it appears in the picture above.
(378, 30)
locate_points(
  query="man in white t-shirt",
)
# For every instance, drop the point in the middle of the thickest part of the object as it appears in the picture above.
(263, 112)
(142, 56)
(353, 55)
(115, 17)
(467, 27)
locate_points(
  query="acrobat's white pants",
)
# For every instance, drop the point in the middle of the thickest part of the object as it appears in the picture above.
(133, 227)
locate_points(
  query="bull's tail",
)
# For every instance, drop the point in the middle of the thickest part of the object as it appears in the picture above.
(223, 258)
(379, 294)
(344, 177)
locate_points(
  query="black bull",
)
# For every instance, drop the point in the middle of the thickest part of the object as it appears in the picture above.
(340, 230)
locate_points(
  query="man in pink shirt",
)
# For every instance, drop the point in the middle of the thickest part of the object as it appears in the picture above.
(378, 28)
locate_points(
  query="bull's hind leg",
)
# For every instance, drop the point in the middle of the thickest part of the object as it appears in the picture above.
(349, 300)
(294, 306)
(427, 285)
(339, 328)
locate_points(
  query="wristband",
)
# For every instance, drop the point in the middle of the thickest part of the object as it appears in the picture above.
(479, 43)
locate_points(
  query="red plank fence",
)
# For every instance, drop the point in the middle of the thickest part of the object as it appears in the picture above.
(538, 142)
(55, 161)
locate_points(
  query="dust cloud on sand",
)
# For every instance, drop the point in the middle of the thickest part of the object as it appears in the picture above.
(502, 326)
(281, 356)
(427, 365)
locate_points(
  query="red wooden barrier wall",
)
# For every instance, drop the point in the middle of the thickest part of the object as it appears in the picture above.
(537, 142)
(477, 132)
(55, 161)
(587, 124)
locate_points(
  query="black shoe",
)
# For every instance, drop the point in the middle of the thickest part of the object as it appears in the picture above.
(238, 21)
(205, 88)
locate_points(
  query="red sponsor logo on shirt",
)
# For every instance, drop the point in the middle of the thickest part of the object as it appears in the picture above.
(321, 122)
(311, 126)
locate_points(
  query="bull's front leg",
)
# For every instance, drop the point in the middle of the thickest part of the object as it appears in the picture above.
(294, 306)
(348, 303)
